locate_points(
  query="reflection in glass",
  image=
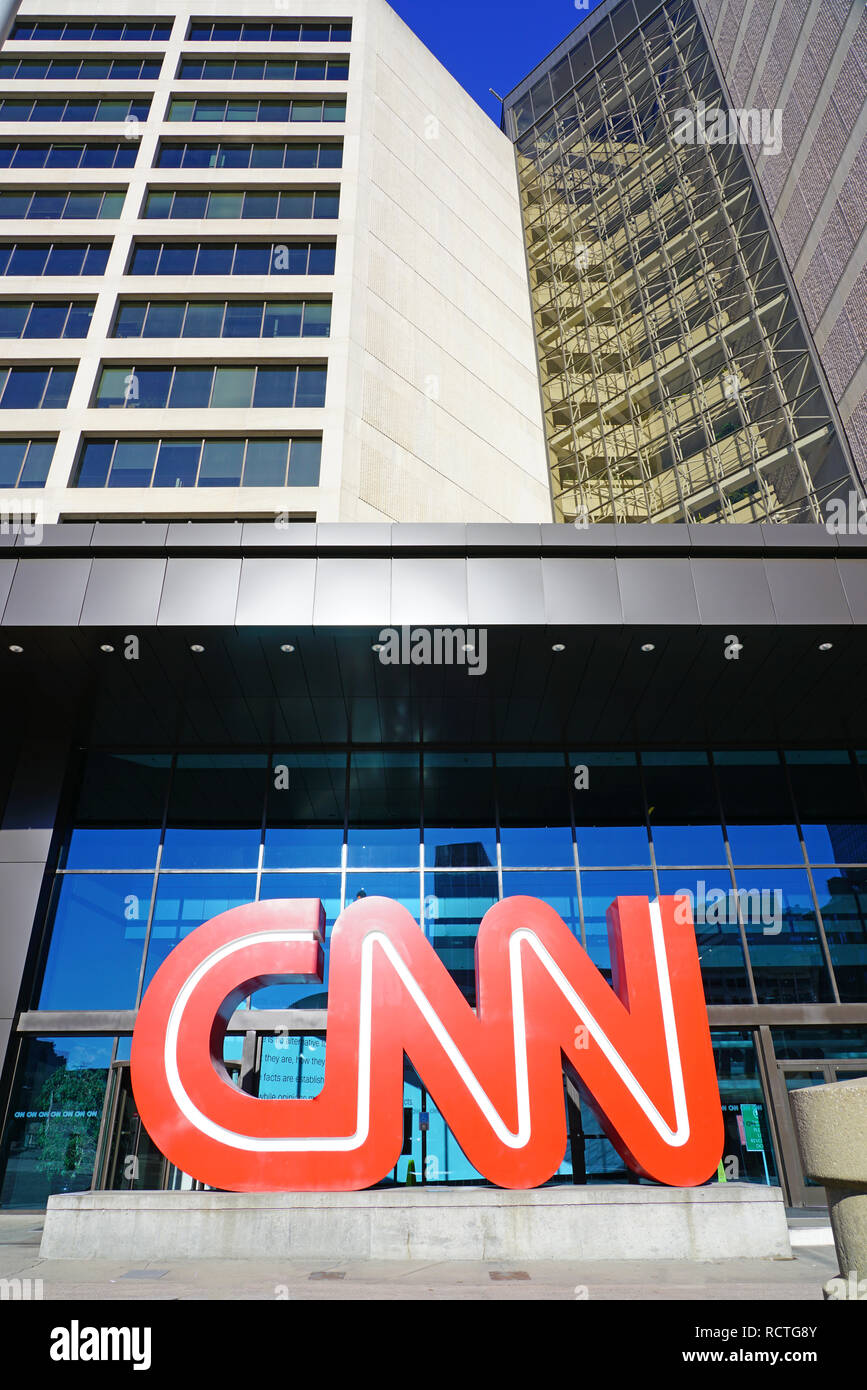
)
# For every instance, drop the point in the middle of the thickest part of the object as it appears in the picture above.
(842, 897)
(96, 943)
(454, 905)
(598, 891)
(325, 887)
(713, 906)
(184, 902)
(50, 1141)
(785, 953)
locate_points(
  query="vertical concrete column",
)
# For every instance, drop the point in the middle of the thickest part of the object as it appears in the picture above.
(831, 1127)
(25, 841)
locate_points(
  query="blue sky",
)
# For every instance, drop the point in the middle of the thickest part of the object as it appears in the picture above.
(490, 45)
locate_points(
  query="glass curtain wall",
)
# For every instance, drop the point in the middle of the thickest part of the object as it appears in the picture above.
(766, 848)
(677, 384)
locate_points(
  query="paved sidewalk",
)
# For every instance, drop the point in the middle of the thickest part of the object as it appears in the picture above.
(796, 1280)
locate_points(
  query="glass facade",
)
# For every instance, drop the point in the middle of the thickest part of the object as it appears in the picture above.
(677, 381)
(160, 842)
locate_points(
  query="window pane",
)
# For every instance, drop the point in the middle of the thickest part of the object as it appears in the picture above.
(97, 941)
(95, 460)
(178, 258)
(842, 895)
(170, 156)
(233, 388)
(31, 260)
(222, 460)
(46, 1150)
(301, 156)
(112, 111)
(16, 204)
(181, 110)
(210, 110)
(112, 206)
(282, 320)
(265, 465)
(311, 387)
(225, 205)
(191, 387)
(96, 156)
(45, 321)
(37, 463)
(163, 320)
(204, 320)
(133, 463)
(296, 204)
(261, 204)
(177, 463)
(130, 319)
(78, 322)
(189, 205)
(459, 814)
(679, 787)
(36, 156)
(95, 260)
(307, 111)
(322, 259)
(185, 901)
(317, 320)
(144, 260)
(243, 320)
(152, 384)
(114, 386)
(252, 260)
(291, 259)
(12, 453)
(330, 156)
(274, 387)
(609, 809)
(158, 205)
(59, 386)
(234, 157)
(304, 462)
(215, 259)
(25, 387)
(327, 205)
(266, 157)
(13, 318)
(454, 905)
(783, 937)
(242, 110)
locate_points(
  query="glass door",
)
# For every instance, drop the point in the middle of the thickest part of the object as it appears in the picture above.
(132, 1162)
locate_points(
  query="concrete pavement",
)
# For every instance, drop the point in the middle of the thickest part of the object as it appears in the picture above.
(796, 1280)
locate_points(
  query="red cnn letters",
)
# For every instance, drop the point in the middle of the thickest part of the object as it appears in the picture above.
(639, 1048)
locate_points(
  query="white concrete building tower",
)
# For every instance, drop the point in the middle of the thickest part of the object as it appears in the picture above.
(257, 260)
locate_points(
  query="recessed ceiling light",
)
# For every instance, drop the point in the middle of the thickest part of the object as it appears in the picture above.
(469, 647)
(558, 647)
(106, 647)
(14, 648)
(195, 647)
(825, 646)
(649, 647)
(378, 647)
(287, 647)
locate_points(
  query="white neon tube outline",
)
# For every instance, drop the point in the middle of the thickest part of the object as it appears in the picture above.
(674, 1138)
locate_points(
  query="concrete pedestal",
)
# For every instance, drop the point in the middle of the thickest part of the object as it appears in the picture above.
(720, 1221)
(831, 1126)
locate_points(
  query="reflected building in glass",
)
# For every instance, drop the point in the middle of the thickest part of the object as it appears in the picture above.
(679, 380)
